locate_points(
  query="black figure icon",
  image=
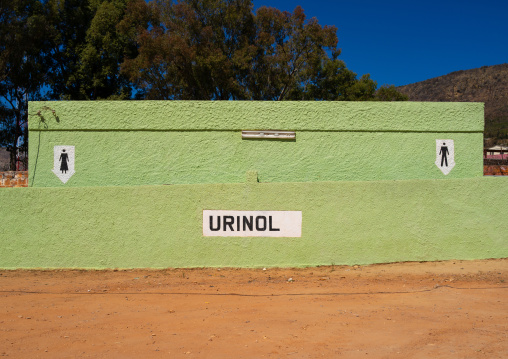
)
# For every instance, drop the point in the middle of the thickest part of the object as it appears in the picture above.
(444, 152)
(64, 157)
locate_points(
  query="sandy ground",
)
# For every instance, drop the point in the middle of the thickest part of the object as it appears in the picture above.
(453, 309)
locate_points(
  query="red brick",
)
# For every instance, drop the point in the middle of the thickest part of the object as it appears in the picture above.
(14, 179)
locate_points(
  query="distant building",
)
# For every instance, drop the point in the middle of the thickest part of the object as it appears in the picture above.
(497, 153)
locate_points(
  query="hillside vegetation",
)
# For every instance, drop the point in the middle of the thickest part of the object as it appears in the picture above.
(488, 84)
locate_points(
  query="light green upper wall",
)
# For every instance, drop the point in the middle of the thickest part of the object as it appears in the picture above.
(179, 142)
(244, 115)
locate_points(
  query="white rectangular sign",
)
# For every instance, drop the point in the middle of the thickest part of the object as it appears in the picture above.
(218, 223)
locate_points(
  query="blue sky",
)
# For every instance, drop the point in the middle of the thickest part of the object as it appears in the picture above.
(402, 42)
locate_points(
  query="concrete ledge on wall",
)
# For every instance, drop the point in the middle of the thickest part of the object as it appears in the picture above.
(343, 223)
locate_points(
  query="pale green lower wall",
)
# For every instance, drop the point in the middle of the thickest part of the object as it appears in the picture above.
(343, 223)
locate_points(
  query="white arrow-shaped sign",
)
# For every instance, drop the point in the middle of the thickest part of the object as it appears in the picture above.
(63, 162)
(445, 155)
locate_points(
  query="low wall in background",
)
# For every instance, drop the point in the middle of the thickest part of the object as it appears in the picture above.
(343, 223)
(495, 170)
(14, 179)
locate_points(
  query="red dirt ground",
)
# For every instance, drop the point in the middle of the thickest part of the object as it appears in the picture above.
(452, 309)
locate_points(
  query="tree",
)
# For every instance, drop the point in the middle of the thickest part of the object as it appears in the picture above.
(332, 81)
(289, 52)
(191, 49)
(165, 49)
(58, 49)
(390, 93)
(221, 50)
(88, 50)
(24, 64)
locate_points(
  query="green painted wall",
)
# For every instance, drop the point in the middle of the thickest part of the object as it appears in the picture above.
(184, 142)
(363, 175)
(343, 223)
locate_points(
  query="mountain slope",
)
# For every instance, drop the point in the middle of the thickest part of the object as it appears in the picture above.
(488, 84)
